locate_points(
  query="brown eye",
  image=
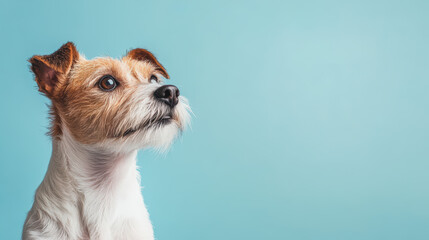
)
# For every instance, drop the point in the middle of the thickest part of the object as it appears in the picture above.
(107, 83)
(153, 78)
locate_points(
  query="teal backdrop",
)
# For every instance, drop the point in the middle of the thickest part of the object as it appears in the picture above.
(311, 117)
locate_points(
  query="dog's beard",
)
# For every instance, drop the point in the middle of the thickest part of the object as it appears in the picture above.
(151, 123)
(160, 128)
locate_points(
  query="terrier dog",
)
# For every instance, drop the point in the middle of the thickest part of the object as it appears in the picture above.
(103, 110)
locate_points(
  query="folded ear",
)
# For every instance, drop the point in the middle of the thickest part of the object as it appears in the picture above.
(50, 70)
(141, 54)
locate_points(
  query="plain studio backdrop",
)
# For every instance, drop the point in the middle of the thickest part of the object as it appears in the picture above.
(311, 117)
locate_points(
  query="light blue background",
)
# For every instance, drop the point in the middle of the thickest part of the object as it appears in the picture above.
(311, 117)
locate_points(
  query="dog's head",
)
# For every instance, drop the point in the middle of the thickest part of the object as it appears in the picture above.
(106, 101)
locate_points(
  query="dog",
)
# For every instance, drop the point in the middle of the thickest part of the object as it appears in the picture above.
(102, 111)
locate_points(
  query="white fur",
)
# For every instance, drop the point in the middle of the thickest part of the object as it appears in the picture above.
(93, 191)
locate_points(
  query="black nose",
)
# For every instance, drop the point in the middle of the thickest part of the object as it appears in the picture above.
(168, 94)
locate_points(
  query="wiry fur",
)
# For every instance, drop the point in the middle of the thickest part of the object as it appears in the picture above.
(92, 187)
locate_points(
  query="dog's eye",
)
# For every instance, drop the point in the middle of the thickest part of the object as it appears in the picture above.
(153, 78)
(107, 83)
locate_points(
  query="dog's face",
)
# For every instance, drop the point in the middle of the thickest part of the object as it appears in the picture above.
(106, 101)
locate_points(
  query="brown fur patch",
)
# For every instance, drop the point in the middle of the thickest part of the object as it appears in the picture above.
(51, 69)
(140, 54)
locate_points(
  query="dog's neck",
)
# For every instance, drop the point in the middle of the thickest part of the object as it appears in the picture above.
(89, 186)
(93, 168)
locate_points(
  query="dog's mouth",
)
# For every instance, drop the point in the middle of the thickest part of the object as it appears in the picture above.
(168, 118)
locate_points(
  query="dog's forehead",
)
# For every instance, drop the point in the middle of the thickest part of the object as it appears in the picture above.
(125, 70)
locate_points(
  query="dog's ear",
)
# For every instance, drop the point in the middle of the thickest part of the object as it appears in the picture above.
(141, 54)
(50, 70)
